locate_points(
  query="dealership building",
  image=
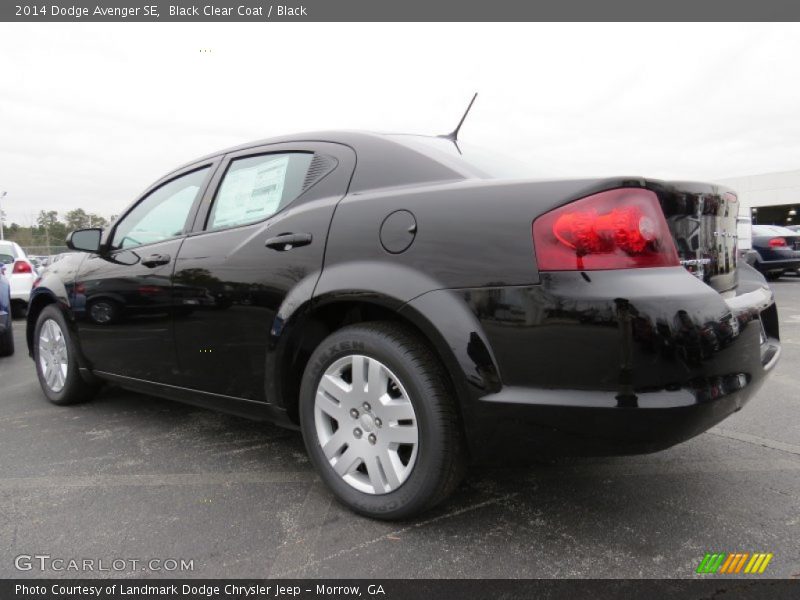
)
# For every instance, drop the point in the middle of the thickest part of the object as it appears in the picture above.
(771, 198)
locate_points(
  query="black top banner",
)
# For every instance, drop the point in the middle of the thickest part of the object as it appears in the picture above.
(398, 10)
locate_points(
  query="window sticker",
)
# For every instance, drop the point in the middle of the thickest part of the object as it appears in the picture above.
(250, 194)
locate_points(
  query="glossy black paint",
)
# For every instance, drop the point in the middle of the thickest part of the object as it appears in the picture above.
(702, 219)
(607, 361)
(248, 280)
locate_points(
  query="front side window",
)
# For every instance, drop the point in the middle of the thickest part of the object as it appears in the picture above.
(257, 187)
(161, 215)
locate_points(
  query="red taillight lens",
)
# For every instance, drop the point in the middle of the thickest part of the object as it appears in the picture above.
(777, 242)
(617, 229)
(22, 266)
(150, 290)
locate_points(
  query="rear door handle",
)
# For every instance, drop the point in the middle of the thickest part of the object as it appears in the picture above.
(156, 260)
(287, 241)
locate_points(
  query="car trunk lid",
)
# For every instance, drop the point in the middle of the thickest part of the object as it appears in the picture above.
(702, 220)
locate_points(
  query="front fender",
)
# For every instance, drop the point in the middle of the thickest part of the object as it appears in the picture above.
(50, 290)
(54, 286)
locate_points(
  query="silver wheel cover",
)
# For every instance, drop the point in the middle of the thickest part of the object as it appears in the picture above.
(53, 356)
(366, 424)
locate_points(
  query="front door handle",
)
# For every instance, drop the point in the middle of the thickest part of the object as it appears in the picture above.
(287, 241)
(156, 260)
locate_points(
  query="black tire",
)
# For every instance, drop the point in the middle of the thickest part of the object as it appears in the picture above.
(7, 339)
(440, 460)
(75, 389)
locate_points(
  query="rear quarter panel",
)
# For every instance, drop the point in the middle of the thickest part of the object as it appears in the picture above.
(470, 233)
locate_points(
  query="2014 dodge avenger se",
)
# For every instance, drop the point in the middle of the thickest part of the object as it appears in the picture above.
(411, 305)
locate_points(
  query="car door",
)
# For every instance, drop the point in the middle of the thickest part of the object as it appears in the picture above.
(261, 231)
(122, 298)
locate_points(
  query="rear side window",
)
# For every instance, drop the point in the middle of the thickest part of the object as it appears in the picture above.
(256, 187)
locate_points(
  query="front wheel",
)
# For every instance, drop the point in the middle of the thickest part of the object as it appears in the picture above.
(56, 360)
(379, 421)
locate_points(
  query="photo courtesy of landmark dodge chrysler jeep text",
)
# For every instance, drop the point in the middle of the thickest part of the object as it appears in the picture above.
(411, 304)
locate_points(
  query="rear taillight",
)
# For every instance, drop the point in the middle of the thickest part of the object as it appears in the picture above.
(617, 229)
(22, 266)
(149, 290)
(777, 242)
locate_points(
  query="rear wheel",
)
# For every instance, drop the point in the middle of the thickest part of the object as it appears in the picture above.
(379, 421)
(56, 360)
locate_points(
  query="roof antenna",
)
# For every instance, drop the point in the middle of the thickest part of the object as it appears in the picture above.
(453, 135)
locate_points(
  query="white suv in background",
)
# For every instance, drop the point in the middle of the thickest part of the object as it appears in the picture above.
(20, 273)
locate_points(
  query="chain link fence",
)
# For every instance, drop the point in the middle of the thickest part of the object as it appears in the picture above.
(44, 250)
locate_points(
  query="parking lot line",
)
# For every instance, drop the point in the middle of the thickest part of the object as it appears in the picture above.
(90, 481)
(757, 440)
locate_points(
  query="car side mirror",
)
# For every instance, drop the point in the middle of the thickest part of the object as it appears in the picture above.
(85, 240)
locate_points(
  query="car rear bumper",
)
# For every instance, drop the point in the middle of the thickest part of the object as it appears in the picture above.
(789, 264)
(21, 286)
(21, 296)
(530, 422)
(617, 362)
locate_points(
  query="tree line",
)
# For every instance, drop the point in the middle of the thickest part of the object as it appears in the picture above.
(51, 229)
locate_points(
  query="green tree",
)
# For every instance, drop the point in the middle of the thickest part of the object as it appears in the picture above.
(80, 219)
(77, 219)
(97, 221)
(53, 231)
(47, 219)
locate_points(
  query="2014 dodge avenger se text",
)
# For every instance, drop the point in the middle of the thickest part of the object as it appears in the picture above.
(412, 304)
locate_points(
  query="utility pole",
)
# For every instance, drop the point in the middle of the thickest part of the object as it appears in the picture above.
(2, 195)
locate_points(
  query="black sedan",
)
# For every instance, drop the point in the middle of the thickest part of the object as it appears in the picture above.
(411, 305)
(778, 250)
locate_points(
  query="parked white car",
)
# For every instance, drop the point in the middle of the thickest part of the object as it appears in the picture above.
(20, 273)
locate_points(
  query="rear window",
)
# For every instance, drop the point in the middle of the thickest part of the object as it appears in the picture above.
(469, 159)
(765, 230)
(8, 250)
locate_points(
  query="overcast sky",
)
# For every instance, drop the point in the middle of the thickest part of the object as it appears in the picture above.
(90, 114)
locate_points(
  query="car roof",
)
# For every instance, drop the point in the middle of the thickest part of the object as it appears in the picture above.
(375, 152)
(13, 246)
(773, 230)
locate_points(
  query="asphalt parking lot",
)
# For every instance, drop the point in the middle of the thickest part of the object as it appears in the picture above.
(135, 477)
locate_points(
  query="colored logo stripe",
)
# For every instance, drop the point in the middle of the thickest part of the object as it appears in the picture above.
(758, 563)
(722, 562)
(734, 563)
(711, 563)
